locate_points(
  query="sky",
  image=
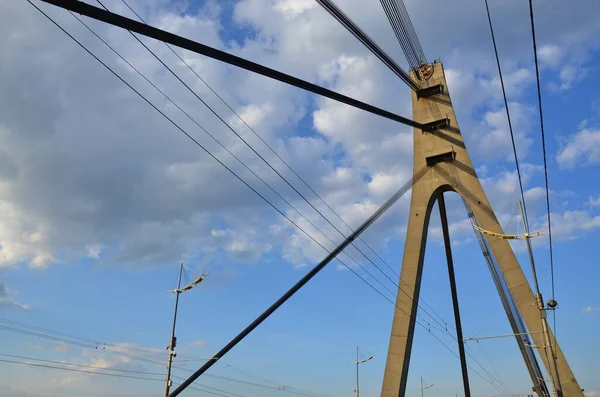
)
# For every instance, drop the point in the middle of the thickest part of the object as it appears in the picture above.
(101, 198)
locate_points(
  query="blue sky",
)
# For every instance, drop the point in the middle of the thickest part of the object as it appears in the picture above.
(101, 199)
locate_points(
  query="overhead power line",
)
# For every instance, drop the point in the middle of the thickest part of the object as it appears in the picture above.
(64, 366)
(78, 370)
(82, 365)
(76, 342)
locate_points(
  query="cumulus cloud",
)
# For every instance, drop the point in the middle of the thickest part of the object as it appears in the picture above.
(582, 148)
(571, 224)
(594, 202)
(7, 301)
(591, 309)
(198, 343)
(568, 76)
(95, 173)
(497, 142)
(550, 54)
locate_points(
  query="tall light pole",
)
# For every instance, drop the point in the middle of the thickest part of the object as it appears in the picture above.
(173, 341)
(424, 388)
(357, 362)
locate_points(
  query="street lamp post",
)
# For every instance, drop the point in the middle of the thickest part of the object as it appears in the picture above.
(357, 362)
(424, 388)
(173, 340)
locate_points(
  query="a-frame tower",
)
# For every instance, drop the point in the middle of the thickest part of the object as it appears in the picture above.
(442, 157)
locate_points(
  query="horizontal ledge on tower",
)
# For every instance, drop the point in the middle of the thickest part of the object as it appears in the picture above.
(445, 154)
(430, 91)
(436, 125)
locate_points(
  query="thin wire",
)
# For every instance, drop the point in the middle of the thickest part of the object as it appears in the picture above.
(539, 95)
(262, 378)
(445, 325)
(262, 140)
(471, 368)
(209, 387)
(231, 153)
(81, 365)
(4, 320)
(263, 159)
(202, 147)
(89, 347)
(512, 137)
(286, 164)
(192, 138)
(491, 364)
(95, 344)
(208, 152)
(79, 370)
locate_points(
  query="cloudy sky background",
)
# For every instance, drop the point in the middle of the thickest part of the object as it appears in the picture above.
(101, 198)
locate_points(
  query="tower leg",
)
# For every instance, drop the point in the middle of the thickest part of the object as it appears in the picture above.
(442, 152)
(458, 324)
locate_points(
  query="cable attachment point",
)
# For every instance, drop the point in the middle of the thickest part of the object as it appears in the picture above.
(430, 91)
(436, 125)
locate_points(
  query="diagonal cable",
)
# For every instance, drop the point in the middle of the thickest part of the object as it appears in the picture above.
(539, 96)
(301, 179)
(353, 28)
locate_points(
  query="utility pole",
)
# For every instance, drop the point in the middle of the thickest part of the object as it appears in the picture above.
(173, 341)
(357, 391)
(424, 388)
(549, 350)
(357, 362)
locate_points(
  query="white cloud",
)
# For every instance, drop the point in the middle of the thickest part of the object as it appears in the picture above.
(583, 148)
(291, 8)
(300, 265)
(62, 347)
(94, 251)
(497, 141)
(243, 245)
(569, 75)
(112, 181)
(550, 54)
(591, 309)
(198, 343)
(571, 224)
(7, 301)
(591, 393)
(594, 202)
